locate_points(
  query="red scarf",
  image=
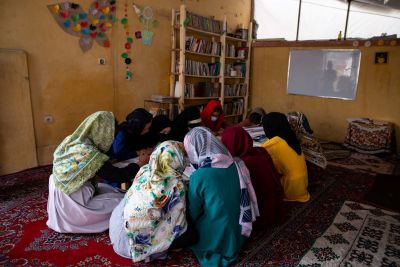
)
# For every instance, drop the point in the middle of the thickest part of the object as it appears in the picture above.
(265, 178)
(206, 115)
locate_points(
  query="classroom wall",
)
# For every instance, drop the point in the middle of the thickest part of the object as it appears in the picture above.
(68, 84)
(378, 93)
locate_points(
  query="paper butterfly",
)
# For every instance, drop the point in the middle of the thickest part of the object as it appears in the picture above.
(87, 26)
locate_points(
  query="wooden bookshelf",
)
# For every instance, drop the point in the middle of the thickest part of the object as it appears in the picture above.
(181, 55)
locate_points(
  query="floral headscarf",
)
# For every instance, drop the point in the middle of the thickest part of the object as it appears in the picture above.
(81, 154)
(155, 206)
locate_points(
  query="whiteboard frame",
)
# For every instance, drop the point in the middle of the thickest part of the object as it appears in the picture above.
(325, 50)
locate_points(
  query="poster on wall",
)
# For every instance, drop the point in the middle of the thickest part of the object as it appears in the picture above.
(88, 26)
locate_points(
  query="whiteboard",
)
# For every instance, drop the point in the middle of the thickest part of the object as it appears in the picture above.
(329, 73)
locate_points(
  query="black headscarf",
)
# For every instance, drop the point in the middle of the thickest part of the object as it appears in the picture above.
(133, 127)
(159, 123)
(181, 124)
(136, 121)
(276, 124)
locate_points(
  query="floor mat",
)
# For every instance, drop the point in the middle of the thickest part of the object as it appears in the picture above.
(360, 235)
(365, 163)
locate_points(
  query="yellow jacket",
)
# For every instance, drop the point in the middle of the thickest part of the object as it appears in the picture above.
(292, 167)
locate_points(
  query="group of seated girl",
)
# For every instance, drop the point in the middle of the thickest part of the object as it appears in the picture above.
(233, 183)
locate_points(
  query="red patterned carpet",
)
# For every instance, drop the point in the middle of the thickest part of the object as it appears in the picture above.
(25, 239)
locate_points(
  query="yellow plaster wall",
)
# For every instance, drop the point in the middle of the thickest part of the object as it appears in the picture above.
(69, 84)
(378, 93)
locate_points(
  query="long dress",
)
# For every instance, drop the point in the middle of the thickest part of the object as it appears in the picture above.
(264, 176)
(84, 211)
(214, 206)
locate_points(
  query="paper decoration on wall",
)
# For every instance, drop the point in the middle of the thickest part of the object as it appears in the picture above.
(128, 44)
(381, 57)
(146, 18)
(88, 26)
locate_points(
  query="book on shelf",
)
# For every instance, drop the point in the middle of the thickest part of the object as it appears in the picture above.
(234, 108)
(203, 23)
(237, 89)
(201, 68)
(193, 44)
(202, 89)
(230, 50)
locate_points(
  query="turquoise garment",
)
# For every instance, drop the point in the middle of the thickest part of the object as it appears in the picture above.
(214, 206)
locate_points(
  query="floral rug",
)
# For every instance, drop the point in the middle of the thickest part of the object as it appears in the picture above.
(25, 239)
(360, 235)
(284, 245)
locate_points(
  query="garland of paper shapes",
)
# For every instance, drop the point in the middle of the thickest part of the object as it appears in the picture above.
(128, 44)
(90, 26)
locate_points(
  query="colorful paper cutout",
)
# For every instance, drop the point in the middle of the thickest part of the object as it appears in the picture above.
(146, 18)
(75, 21)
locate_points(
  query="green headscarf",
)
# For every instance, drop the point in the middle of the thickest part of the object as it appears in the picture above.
(81, 154)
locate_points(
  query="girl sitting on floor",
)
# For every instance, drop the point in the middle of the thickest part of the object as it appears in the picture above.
(264, 177)
(152, 214)
(184, 122)
(129, 137)
(220, 205)
(288, 158)
(74, 204)
(213, 117)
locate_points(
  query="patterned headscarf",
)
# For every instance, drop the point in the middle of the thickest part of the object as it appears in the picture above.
(206, 151)
(155, 205)
(81, 154)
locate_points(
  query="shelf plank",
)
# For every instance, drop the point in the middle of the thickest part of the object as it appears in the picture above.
(201, 54)
(200, 76)
(202, 98)
(235, 96)
(234, 77)
(203, 32)
(236, 58)
(235, 39)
